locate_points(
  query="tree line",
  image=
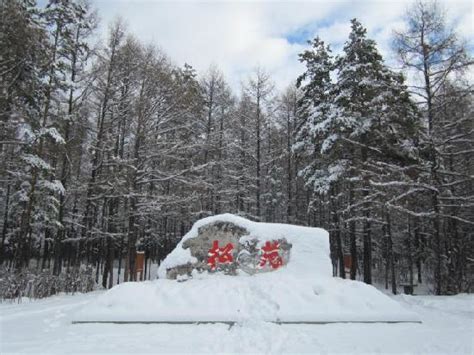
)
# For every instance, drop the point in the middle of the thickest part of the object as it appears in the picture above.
(112, 148)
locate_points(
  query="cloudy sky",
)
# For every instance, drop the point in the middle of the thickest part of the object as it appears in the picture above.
(237, 36)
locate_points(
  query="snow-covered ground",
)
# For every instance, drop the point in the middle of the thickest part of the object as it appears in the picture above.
(303, 290)
(44, 327)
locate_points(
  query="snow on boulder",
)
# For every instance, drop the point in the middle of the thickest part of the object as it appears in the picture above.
(230, 269)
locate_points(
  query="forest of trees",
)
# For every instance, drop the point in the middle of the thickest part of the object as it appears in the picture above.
(109, 149)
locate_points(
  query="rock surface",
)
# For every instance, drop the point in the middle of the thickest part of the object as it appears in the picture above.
(246, 253)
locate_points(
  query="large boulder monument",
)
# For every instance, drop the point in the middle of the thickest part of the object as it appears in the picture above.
(229, 269)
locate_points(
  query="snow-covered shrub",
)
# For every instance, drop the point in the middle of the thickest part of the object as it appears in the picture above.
(39, 284)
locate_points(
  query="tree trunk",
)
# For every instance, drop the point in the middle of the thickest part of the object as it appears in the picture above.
(5, 223)
(258, 182)
(391, 256)
(352, 231)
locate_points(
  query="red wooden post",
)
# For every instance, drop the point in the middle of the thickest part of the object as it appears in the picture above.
(139, 262)
(347, 264)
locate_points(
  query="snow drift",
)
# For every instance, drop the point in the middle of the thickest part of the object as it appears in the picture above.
(302, 291)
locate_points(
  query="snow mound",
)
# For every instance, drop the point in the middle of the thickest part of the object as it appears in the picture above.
(301, 291)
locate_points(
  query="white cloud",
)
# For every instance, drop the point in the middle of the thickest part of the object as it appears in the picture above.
(335, 34)
(239, 35)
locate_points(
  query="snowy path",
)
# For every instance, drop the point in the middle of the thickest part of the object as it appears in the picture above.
(44, 327)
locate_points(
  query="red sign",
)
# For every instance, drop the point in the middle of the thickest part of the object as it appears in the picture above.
(271, 255)
(219, 255)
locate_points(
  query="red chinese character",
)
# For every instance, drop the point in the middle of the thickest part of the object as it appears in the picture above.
(219, 255)
(271, 255)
